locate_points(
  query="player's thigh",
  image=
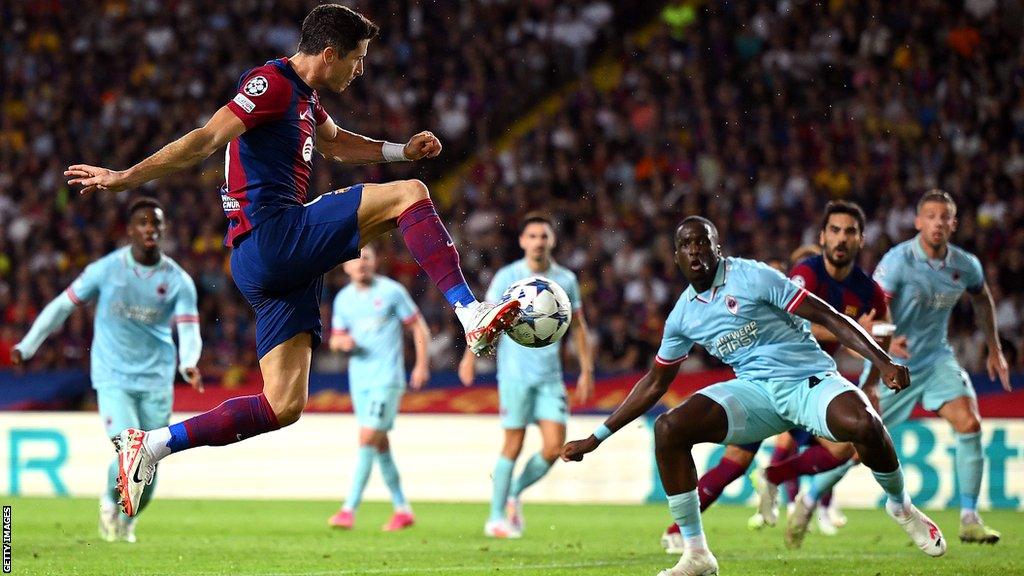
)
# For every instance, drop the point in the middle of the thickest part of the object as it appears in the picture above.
(749, 409)
(154, 408)
(118, 409)
(382, 204)
(515, 403)
(285, 370)
(551, 403)
(552, 435)
(377, 407)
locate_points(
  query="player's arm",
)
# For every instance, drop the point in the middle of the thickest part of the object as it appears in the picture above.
(190, 341)
(644, 395)
(984, 311)
(467, 368)
(186, 151)
(340, 145)
(420, 337)
(51, 318)
(581, 338)
(853, 336)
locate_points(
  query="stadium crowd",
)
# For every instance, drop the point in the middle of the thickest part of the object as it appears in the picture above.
(752, 114)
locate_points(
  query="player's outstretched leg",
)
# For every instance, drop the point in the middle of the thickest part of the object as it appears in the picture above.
(346, 516)
(699, 419)
(402, 517)
(498, 525)
(962, 414)
(731, 467)
(851, 419)
(407, 205)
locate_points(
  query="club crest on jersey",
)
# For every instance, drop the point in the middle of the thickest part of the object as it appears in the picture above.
(256, 86)
(956, 275)
(161, 290)
(731, 304)
(378, 303)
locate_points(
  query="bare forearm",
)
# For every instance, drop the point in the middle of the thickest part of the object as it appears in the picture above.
(420, 337)
(584, 350)
(822, 334)
(985, 312)
(351, 148)
(189, 150)
(853, 336)
(644, 395)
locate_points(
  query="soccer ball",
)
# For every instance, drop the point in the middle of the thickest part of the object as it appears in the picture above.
(546, 311)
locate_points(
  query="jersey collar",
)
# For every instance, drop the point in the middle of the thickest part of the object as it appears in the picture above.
(718, 282)
(141, 270)
(919, 254)
(286, 69)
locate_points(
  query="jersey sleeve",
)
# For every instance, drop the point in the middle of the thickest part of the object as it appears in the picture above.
(887, 274)
(87, 286)
(675, 346)
(339, 325)
(572, 288)
(803, 276)
(186, 306)
(319, 114)
(974, 274)
(879, 302)
(404, 306)
(263, 96)
(771, 287)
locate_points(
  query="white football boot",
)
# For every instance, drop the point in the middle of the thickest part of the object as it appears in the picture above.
(514, 513)
(484, 322)
(925, 533)
(768, 498)
(798, 521)
(672, 542)
(501, 529)
(136, 468)
(694, 563)
(109, 526)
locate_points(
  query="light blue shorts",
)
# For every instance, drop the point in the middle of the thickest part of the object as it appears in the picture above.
(931, 388)
(523, 404)
(759, 409)
(376, 407)
(143, 409)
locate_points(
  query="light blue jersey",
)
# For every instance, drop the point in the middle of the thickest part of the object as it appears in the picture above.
(374, 316)
(136, 305)
(519, 364)
(922, 295)
(745, 319)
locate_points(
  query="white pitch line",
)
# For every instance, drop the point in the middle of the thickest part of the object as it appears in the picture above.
(397, 570)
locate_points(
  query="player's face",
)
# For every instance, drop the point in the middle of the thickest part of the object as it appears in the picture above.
(145, 228)
(342, 70)
(537, 241)
(361, 269)
(936, 221)
(841, 240)
(697, 252)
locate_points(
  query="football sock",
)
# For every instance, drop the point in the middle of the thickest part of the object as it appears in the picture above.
(500, 485)
(892, 483)
(360, 476)
(969, 467)
(811, 461)
(822, 483)
(535, 469)
(232, 421)
(390, 473)
(780, 453)
(429, 243)
(714, 481)
(685, 509)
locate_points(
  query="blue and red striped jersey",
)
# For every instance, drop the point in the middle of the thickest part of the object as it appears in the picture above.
(268, 166)
(855, 295)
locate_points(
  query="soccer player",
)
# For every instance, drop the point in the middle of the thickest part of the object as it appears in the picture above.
(832, 275)
(367, 324)
(924, 278)
(139, 293)
(750, 316)
(283, 245)
(530, 382)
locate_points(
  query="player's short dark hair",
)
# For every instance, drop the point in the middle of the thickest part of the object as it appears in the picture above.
(697, 220)
(535, 218)
(936, 195)
(844, 207)
(336, 26)
(143, 203)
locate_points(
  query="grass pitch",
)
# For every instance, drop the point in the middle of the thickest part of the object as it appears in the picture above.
(211, 538)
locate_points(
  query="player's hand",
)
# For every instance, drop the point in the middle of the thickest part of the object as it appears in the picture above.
(422, 145)
(194, 377)
(95, 178)
(577, 449)
(467, 368)
(342, 343)
(997, 366)
(420, 376)
(898, 347)
(894, 376)
(584, 388)
(16, 358)
(866, 320)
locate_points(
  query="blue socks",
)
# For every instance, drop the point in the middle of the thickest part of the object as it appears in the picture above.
(685, 509)
(364, 464)
(390, 473)
(501, 480)
(892, 483)
(969, 467)
(535, 469)
(822, 483)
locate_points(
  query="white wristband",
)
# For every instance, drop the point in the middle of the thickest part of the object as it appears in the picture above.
(393, 152)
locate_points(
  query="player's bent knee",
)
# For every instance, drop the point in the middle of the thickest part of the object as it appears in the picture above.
(866, 429)
(667, 432)
(969, 425)
(415, 190)
(288, 410)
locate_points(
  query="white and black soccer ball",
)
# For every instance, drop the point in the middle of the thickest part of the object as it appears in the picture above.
(546, 311)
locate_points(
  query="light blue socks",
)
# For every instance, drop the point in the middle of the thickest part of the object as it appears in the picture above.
(360, 476)
(501, 480)
(535, 469)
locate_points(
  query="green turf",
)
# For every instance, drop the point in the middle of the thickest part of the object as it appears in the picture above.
(58, 536)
